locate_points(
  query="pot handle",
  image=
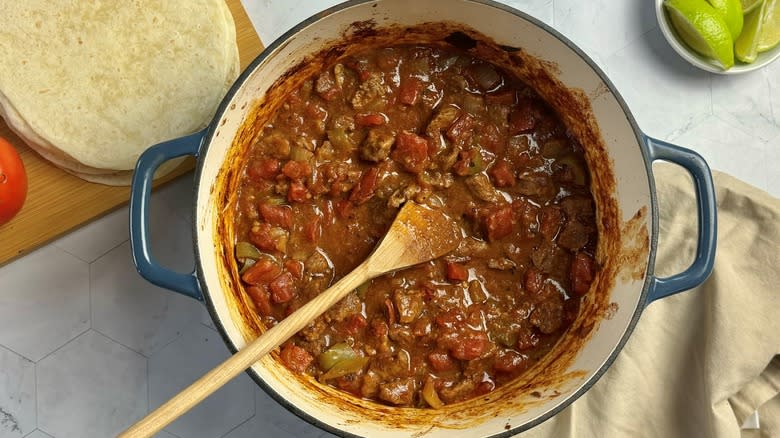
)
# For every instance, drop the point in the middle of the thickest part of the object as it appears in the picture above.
(706, 204)
(140, 194)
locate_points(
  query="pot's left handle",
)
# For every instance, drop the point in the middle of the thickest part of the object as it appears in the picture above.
(140, 194)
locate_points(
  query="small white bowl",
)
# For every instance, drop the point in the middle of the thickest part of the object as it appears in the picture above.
(702, 62)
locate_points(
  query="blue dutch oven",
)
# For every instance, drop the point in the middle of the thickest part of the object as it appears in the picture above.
(619, 155)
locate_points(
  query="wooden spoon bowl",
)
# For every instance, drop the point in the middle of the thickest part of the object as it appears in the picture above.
(418, 234)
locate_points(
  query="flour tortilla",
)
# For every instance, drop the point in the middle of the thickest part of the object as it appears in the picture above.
(91, 86)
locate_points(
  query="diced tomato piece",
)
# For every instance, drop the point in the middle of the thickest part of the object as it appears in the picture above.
(312, 230)
(296, 170)
(411, 151)
(457, 272)
(295, 358)
(265, 169)
(354, 324)
(369, 119)
(440, 361)
(282, 288)
(521, 119)
(261, 298)
(499, 223)
(509, 361)
(471, 345)
(409, 91)
(279, 215)
(502, 174)
(364, 189)
(534, 280)
(294, 267)
(461, 129)
(582, 273)
(263, 271)
(344, 208)
(297, 192)
(361, 68)
(260, 236)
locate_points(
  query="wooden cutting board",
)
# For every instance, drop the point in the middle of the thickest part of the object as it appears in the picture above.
(58, 202)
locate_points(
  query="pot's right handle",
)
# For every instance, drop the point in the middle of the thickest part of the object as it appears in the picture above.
(140, 194)
(706, 205)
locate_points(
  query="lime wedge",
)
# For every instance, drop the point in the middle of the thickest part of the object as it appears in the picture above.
(702, 28)
(770, 31)
(731, 11)
(749, 5)
(746, 45)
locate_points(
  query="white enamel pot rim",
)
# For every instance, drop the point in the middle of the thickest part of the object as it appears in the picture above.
(627, 147)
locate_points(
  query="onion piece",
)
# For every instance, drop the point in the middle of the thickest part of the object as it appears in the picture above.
(430, 395)
(344, 367)
(486, 77)
(247, 264)
(245, 250)
(335, 354)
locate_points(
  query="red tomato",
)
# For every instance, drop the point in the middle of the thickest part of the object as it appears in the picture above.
(13, 182)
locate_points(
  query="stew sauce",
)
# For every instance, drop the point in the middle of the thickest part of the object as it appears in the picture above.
(326, 178)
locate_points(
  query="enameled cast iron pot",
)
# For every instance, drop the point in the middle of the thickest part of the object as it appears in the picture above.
(619, 156)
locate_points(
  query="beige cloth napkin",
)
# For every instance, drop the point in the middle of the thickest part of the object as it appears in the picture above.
(702, 361)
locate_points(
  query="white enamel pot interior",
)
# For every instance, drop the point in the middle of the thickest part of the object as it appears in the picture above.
(626, 247)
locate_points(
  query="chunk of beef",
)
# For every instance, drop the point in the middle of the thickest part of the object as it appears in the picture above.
(347, 306)
(458, 391)
(440, 122)
(481, 187)
(539, 185)
(296, 358)
(326, 86)
(548, 315)
(370, 385)
(574, 235)
(501, 264)
(368, 92)
(402, 195)
(408, 303)
(399, 392)
(552, 260)
(376, 147)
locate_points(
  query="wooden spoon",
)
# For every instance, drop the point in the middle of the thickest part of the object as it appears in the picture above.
(417, 235)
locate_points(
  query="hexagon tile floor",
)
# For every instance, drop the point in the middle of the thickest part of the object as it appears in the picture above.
(87, 347)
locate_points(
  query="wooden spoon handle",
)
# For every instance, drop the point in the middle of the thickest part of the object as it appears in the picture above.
(244, 358)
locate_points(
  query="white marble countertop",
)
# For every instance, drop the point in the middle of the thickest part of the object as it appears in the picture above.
(87, 346)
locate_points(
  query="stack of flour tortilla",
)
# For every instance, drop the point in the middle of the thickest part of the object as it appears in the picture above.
(91, 85)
